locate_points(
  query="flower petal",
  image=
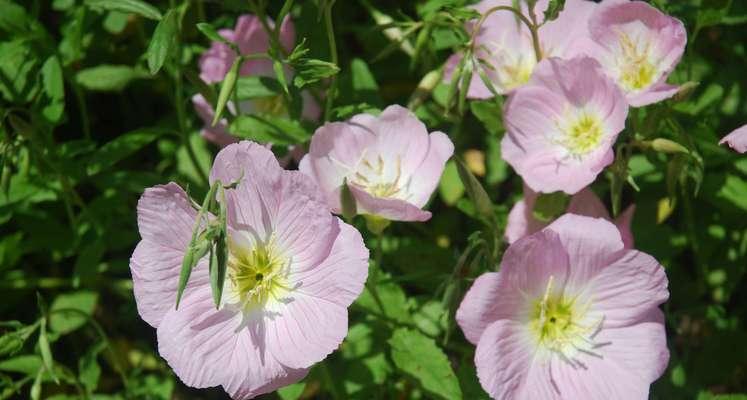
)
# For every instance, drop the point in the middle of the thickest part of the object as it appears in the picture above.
(207, 347)
(506, 366)
(632, 358)
(253, 204)
(737, 139)
(421, 186)
(392, 209)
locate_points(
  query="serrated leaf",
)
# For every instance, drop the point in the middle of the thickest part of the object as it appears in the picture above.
(120, 148)
(420, 357)
(108, 78)
(269, 129)
(128, 6)
(162, 41)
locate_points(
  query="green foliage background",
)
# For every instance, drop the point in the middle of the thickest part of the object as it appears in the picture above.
(94, 107)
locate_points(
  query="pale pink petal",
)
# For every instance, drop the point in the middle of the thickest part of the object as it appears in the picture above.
(633, 357)
(590, 250)
(303, 225)
(165, 221)
(206, 347)
(335, 150)
(737, 139)
(559, 36)
(477, 309)
(217, 134)
(625, 290)
(655, 94)
(623, 222)
(392, 209)
(288, 34)
(215, 63)
(588, 204)
(440, 149)
(506, 365)
(254, 203)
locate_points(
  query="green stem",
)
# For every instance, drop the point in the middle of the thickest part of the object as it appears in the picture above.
(82, 108)
(181, 115)
(333, 55)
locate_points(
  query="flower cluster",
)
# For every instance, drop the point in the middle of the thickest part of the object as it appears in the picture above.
(573, 311)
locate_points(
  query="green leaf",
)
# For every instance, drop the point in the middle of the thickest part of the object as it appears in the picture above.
(252, 87)
(393, 300)
(553, 9)
(64, 322)
(420, 357)
(269, 129)
(227, 89)
(450, 187)
(108, 78)
(549, 206)
(128, 6)
(18, 69)
(292, 392)
(89, 370)
(26, 364)
(45, 350)
(489, 112)
(162, 41)
(310, 70)
(210, 32)
(476, 193)
(120, 148)
(52, 78)
(14, 18)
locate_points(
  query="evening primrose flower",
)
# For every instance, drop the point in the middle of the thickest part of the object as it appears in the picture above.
(737, 139)
(390, 163)
(571, 314)
(293, 269)
(638, 46)
(521, 221)
(251, 38)
(562, 124)
(504, 44)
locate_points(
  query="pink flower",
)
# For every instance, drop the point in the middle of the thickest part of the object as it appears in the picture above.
(572, 314)
(391, 163)
(251, 38)
(562, 124)
(293, 270)
(638, 46)
(521, 221)
(505, 44)
(737, 139)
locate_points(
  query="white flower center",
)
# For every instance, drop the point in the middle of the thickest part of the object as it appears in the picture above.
(636, 69)
(562, 326)
(581, 132)
(256, 275)
(378, 178)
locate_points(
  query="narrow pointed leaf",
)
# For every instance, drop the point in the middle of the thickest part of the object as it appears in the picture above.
(226, 89)
(349, 206)
(163, 40)
(476, 192)
(127, 6)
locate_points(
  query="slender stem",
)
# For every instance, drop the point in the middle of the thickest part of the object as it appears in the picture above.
(531, 25)
(179, 105)
(82, 108)
(333, 54)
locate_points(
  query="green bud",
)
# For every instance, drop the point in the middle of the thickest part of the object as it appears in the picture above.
(668, 146)
(349, 205)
